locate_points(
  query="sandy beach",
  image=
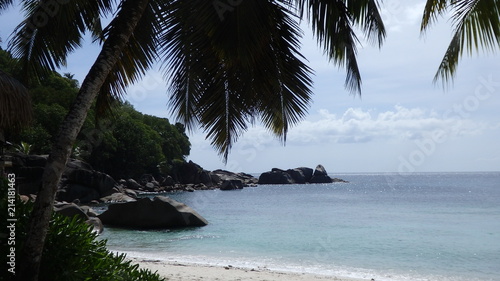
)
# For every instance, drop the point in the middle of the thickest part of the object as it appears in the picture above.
(178, 271)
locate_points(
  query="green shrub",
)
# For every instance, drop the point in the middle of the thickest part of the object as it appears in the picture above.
(72, 251)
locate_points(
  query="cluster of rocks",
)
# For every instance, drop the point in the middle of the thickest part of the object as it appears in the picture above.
(190, 176)
(73, 210)
(81, 182)
(299, 175)
(84, 212)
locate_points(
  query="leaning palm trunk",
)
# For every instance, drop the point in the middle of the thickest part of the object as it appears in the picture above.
(131, 13)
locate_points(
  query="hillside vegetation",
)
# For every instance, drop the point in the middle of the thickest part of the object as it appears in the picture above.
(123, 143)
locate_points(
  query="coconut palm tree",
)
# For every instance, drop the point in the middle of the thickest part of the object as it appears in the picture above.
(228, 63)
(39, 48)
(15, 108)
(476, 26)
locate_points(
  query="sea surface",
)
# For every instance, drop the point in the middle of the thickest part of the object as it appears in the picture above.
(418, 226)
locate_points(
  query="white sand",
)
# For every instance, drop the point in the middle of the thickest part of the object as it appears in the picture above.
(174, 271)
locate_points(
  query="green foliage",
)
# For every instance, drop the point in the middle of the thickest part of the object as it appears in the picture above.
(72, 251)
(47, 119)
(7, 63)
(131, 149)
(125, 144)
(24, 147)
(131, 144)
(174, 141)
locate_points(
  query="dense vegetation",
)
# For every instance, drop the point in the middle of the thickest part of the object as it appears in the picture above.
(72, 252)
(124, 143)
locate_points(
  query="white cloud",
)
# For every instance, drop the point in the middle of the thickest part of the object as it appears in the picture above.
(358, 126)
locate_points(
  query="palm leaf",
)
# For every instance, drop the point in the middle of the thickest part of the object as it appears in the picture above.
(184, 64)
(136, 58)
(36, 44)
(433, 9)
(292, 77)
(332, 23)
(366, 15)
(225, 73)
(4, 4)
(39, 49)
(223, 116)
(476, 26)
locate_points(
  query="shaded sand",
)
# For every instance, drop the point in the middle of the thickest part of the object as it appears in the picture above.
(174, 271)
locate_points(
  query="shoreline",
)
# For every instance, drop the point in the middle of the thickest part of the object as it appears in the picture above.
(184, 271)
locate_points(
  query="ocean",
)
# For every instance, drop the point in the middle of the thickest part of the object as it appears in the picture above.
(418, 226)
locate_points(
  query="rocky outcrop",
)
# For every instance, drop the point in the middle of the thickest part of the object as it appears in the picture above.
(219, 177)
(299, 175)
(83, 212)
(70, 210)
(190, 173)
(190, 177)
(231, 185)
(161, 212)
(132, 184)
(81, 182)
(276, 176)
(117, 197)
(320, 175)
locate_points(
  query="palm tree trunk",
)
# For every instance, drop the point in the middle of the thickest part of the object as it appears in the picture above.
(128, 17)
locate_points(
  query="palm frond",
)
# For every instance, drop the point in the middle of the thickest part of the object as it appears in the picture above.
(223, 116)
(36, 44)
(292, 84)
(448, 65)
(432, 10)
(476, 27)
(225, 73)
(202, 88)
(4, 4)
(332, 23)
(15, 103)
(136, 58)
(479, 23)
(184, 63)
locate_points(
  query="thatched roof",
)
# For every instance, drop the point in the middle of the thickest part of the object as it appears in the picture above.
(15, 103)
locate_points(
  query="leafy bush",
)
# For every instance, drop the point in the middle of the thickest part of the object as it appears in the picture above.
(72, 251)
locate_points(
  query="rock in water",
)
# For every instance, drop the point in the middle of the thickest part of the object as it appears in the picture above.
(161, 212)
(301, 175)
(231, 185)
(320, 171)
(320, 175)
(276, 176)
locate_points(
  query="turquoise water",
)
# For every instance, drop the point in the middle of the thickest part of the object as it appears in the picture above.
(428, 226)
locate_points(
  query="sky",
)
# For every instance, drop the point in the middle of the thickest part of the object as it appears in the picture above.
(402, 122)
